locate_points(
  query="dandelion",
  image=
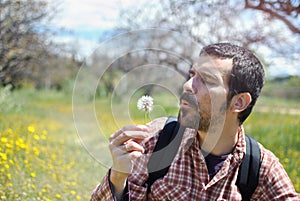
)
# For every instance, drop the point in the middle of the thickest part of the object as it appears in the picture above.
(145, 103)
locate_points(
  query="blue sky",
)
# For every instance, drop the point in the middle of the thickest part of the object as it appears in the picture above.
(85, 21)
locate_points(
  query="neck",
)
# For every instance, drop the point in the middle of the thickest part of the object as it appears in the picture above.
(219, 143)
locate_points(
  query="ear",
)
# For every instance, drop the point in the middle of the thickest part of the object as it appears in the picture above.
(240, 102)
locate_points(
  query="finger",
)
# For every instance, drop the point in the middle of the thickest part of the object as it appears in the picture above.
(127, 136)
(130, 128)
(127, 147)
(135, 155)
(130, 156)
(129, 132)
(133, 146)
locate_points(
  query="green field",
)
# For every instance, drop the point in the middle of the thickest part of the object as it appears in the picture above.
(42, 157)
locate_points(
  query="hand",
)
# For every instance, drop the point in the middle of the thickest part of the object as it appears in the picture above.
(125, 148)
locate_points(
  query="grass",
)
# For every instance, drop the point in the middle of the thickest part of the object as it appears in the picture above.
(42, 157)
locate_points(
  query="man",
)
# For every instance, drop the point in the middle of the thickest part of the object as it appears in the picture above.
(223, 87)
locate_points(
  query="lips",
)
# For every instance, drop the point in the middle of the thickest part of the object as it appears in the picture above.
(184, 102)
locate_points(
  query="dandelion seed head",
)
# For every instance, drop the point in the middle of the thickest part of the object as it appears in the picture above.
(145, 103)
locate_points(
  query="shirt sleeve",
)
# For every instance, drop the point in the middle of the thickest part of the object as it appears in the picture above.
(104, 191)
(135, 189)
(125, 194)
(274, 181)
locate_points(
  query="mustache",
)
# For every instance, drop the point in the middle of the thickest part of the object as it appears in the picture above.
(190, 98)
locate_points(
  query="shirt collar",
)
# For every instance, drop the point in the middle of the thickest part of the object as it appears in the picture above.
(190, 137)
(240, 148)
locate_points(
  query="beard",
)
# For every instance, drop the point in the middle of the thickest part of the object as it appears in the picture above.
(191, 116)
(195, 118)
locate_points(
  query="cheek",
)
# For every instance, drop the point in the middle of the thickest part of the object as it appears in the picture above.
(213, 100)
(205, 105)
(218, 99)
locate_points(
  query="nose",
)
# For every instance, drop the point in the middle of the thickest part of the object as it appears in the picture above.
(188, 87)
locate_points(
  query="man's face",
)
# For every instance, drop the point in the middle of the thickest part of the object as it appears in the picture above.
(204, 100)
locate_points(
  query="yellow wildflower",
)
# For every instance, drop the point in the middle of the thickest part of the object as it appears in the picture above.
(36, 151)
(31, 129)
(3, 156)
(20, 143)
(33, 174)
(58, 195)
(8, 176)
(53, 157)
(36, 137)
(9, 145)
(4, 140)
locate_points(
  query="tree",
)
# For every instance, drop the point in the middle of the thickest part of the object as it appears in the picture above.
(23, 37)
(210, 21)
(285, 10)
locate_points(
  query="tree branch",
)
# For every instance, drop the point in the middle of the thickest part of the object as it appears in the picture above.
(284, 7)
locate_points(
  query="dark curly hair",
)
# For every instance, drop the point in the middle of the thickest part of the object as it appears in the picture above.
(247, 74)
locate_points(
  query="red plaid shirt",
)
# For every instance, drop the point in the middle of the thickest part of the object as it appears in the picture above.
(188, 178)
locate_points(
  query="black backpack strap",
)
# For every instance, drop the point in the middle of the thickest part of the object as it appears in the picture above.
(248, 175)
(163, 155)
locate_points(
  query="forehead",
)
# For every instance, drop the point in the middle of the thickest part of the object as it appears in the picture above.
(213, 65)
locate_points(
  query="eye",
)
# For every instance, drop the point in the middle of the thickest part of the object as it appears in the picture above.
(192, 73)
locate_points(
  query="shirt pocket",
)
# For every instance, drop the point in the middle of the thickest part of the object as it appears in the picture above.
(162, 190)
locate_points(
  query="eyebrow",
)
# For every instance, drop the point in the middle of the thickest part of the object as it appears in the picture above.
(209, 75)
(206, 74)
